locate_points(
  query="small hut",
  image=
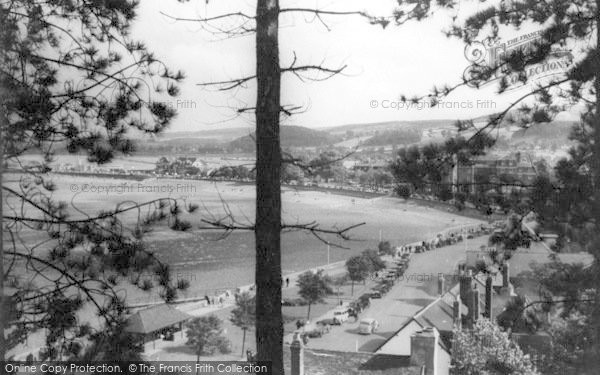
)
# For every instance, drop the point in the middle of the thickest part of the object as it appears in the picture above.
(150, 323)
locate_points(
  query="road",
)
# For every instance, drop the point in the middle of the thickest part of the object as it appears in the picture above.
(416, 289)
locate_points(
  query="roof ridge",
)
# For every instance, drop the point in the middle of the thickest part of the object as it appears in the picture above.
(420, 312)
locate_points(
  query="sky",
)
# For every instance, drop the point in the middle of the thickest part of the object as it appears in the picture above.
(382, 64)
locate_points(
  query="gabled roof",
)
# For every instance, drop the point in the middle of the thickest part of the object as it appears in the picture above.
(154, 319)
(438, 315)
(328, 362)
(440, 312)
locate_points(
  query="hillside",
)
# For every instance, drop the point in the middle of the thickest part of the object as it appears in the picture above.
(291, 136)
(394, 137)
(556, 130)
(371, 128)
(218, 133)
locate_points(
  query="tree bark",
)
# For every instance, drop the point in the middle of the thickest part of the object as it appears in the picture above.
(308, 314)
(3, 309)
(243, 340)
(269, 324)
(596, 177)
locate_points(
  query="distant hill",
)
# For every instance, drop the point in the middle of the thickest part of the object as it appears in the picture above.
(291, 136)
(371, 128)
(555, 130)
(219, 140)
(219, 134)
(402, 136)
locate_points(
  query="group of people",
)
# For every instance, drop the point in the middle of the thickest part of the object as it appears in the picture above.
(217, 298)
(442, 240)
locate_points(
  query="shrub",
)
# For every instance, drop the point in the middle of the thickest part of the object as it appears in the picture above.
(146, 285)
(402, 191)
(183, 284)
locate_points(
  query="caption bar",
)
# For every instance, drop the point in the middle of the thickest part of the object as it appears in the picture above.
(150, 367)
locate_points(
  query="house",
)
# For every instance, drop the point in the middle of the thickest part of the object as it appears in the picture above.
(426, 358)
(513, 166)
(474, 296)
(365, 167)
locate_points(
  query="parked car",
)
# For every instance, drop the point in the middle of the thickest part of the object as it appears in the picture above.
(316, 330)
(293, 302)
(341, 314)
(368, 326)
(329, 322)
(375, 294)
(384, 287)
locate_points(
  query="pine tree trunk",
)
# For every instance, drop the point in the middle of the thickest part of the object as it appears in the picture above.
(197, 361)
(269, 324)
(596, 178)
(243, 340)
(308, 314)
(3, 317)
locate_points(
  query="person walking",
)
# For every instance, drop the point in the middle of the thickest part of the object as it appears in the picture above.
(287, 282)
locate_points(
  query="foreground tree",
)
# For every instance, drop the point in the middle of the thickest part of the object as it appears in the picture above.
(569, 204)
(270, 158)
(314, 286)
(488, 350)
(72, 80)
(244, 314)
(205, 336)
(114, 344)
(358, 269)
(385, 248)
(373, 260)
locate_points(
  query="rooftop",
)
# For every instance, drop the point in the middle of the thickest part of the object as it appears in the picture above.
(326, 362)
(154, 319)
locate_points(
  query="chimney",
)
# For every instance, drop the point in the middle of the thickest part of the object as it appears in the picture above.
(488, 297)
(505, 275)
(441, 287)
(466, 284)
(297, 349)
(457, 312)
(424, 348)
(475, 305)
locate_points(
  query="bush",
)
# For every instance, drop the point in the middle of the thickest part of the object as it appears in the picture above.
(402, 191)
(183, 284)
(340, 280)
(294, 302)
(112, 279)
(146, 285)
(444, 193)
(386, 248)
(481, 266)
(223, 345)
